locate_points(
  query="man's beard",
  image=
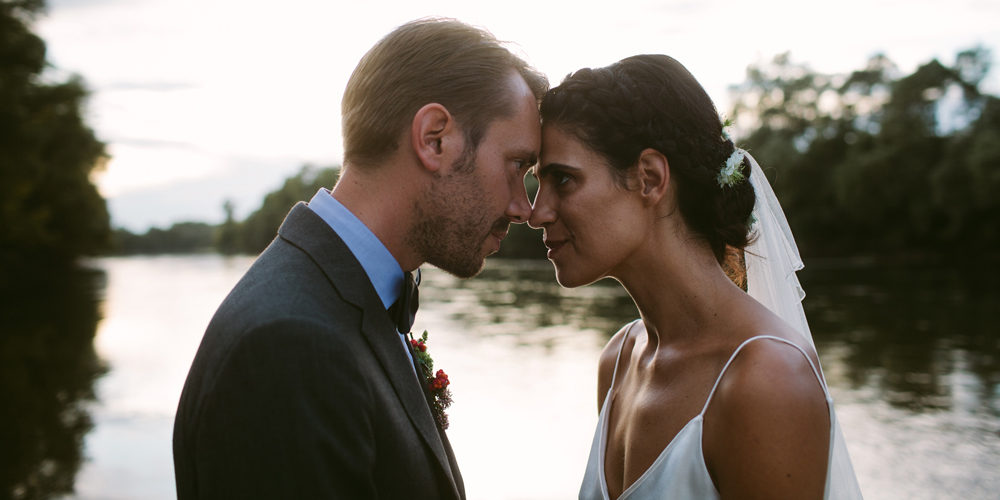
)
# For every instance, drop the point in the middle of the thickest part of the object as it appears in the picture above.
(451, 223)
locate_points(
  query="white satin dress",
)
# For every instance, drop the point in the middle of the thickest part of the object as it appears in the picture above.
(680, 471)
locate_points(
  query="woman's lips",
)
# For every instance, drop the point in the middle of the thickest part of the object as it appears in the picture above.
(554, 246)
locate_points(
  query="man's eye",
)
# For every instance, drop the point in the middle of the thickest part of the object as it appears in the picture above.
(559, 178)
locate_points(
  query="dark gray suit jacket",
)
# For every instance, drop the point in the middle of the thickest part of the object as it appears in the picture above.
(302, 389)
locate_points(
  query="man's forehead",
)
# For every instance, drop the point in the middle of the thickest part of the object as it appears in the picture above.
(517, 135)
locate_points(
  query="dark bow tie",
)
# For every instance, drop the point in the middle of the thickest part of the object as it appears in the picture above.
(404, 309)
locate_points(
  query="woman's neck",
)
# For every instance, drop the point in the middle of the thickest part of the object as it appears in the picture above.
(681, 291)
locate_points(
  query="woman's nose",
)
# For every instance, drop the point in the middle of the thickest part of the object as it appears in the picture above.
(542, 212)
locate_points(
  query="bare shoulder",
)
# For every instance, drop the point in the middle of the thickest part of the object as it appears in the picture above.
(767, 428)
(609, 357)
(767, 369)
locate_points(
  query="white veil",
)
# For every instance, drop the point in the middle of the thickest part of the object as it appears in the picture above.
(772, 260)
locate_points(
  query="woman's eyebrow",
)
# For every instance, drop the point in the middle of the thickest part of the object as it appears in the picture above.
(545, 170)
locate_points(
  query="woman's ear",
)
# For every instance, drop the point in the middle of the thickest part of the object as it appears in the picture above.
(432, 135)
(654, 176)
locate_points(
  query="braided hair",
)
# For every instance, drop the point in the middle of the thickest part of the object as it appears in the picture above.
(652, 101)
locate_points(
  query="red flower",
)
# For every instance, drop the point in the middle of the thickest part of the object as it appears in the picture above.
(440, 381)
(437, 383)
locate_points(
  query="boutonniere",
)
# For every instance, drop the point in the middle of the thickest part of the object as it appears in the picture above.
(437, 383)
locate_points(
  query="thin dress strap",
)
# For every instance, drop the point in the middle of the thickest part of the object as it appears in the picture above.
(737, 351)
(621, 348)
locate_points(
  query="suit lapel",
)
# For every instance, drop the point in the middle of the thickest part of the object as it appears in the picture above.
(307, 231)
(456, 474)
(384, 340)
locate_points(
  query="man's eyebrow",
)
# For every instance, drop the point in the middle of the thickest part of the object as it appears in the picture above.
(530, 157)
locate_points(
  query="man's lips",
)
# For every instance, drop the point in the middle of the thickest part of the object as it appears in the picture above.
(498, 236)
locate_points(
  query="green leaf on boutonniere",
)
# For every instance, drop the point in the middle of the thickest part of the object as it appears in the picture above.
(437, 383)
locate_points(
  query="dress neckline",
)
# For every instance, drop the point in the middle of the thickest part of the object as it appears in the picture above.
(699, 418)
(602, 450)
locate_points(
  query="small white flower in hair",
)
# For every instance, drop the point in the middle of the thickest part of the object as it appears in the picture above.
(731, 173)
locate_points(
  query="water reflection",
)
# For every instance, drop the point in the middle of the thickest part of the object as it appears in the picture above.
(47, 371)
(523, 299)
(913, 334)
(911, 355)
(924, 339)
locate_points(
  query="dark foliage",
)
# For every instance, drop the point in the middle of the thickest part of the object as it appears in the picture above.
(183, 237)
(877, 163)
(49, 209)
(48, 319)
(256, 232)
(251, 236)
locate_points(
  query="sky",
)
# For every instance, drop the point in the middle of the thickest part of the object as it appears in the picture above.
(201, 101)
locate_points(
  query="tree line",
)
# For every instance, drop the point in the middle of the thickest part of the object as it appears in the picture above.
(873, 162)
(876, 162)
(253, 234)
(249, 236)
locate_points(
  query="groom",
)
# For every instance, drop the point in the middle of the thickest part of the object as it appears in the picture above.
(303, 386)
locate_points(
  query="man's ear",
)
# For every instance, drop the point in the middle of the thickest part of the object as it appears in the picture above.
(433, 136)
(654, 176)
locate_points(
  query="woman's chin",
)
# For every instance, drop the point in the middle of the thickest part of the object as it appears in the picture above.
(568, 278)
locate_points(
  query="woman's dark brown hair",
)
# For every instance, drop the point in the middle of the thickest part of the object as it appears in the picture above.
(652, 101)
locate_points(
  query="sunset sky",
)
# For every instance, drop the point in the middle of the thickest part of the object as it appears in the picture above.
(206, 100)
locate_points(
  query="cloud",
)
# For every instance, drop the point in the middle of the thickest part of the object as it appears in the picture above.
(147, 86)
(73, 4)
(151, 143)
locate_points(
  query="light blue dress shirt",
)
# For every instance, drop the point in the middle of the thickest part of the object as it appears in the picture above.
(382, 269)
(380, 266)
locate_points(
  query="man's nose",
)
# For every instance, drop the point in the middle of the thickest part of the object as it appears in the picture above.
(519, 208)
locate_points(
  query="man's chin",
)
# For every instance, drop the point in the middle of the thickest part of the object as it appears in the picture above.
(469, 265)
(462, 269)
(466, 272)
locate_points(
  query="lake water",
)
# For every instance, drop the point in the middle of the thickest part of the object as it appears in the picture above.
(912, 357)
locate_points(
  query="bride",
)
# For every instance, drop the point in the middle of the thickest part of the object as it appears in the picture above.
(715, 392)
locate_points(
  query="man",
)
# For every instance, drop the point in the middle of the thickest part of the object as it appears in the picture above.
(303, 386)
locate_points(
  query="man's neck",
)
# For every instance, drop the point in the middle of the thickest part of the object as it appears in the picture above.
(384, 204)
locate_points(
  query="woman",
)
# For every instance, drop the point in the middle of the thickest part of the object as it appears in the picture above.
(712, 394)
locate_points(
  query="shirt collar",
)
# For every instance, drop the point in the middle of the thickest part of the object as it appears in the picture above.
(382, 269)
